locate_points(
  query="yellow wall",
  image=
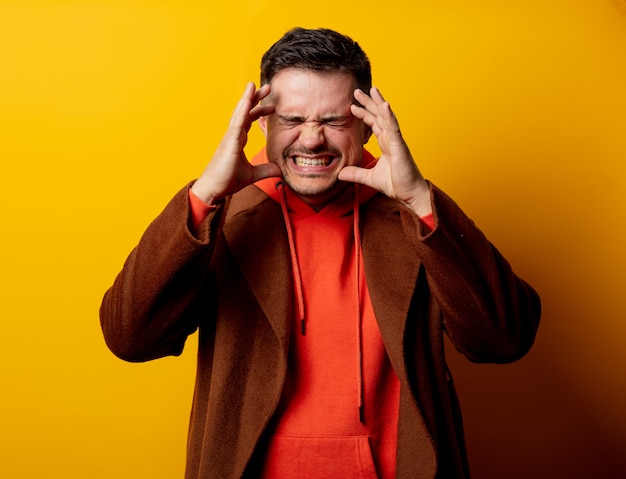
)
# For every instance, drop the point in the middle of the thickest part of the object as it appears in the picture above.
(517, 109)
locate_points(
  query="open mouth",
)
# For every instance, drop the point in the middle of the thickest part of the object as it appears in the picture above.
(318, 162)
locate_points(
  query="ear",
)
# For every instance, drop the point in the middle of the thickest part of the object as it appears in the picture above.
(263, 125)
(367, 133)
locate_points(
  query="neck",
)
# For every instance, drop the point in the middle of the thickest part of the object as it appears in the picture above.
(318, 202)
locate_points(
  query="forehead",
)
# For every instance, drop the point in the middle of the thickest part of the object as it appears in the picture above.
(307, 92)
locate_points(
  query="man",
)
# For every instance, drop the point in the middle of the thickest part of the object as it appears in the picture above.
(321, 281)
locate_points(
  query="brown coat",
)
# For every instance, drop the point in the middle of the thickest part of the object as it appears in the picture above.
(232, 280)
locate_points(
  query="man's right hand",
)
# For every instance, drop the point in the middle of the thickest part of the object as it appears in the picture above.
(229, 169)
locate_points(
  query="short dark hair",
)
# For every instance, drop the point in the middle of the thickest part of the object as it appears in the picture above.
(320, 50)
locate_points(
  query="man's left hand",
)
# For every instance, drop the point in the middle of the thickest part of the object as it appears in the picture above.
(395, 174)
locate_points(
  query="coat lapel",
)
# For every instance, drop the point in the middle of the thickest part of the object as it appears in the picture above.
(255, 233)
(391, 269)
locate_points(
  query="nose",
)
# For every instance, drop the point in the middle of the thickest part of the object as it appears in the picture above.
(311, 135)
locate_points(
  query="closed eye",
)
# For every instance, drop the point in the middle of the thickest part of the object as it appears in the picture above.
(340, 122)
(290, 120)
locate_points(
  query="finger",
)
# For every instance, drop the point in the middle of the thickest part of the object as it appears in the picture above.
(372, 102)
(383, 105)
(374, 121)
(261, 110)
(377, 96)
(265, 170)
(248, 109)
(366, 110)
(364, 99)
(240, 114)
(355, 174)
(360, 112)
(386, 113)
(261, 93)
(376, 105)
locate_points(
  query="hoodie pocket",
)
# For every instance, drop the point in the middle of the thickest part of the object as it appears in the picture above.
(346, 457)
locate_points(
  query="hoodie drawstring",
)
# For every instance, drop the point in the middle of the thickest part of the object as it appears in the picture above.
(359, 332)
(295, 266)
(299, 292)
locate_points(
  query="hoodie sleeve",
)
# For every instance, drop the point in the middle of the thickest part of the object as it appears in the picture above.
(149, 310)
(489, 313)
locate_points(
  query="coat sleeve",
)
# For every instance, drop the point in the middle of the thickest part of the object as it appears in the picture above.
(489, 313)
(150, 309)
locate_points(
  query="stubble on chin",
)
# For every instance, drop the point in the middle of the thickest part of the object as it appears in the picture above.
(306, 187)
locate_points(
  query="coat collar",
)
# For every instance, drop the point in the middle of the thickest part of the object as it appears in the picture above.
(255, 233)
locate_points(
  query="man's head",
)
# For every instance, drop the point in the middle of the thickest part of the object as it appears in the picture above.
(312, 134)
(320, 50)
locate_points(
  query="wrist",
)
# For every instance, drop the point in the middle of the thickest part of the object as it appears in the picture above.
(204, 195)
(420, 202)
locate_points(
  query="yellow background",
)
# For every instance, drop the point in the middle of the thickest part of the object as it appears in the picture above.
(517, 109)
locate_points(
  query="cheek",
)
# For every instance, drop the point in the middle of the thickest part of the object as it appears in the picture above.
(281, 138)
(277, 141)
(350, 143)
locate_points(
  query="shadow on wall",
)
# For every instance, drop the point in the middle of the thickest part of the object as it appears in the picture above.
(521, 422)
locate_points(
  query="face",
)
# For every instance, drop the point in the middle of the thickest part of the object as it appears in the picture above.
(312, 134)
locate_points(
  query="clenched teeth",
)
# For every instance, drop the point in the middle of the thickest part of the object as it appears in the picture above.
(301, 161)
